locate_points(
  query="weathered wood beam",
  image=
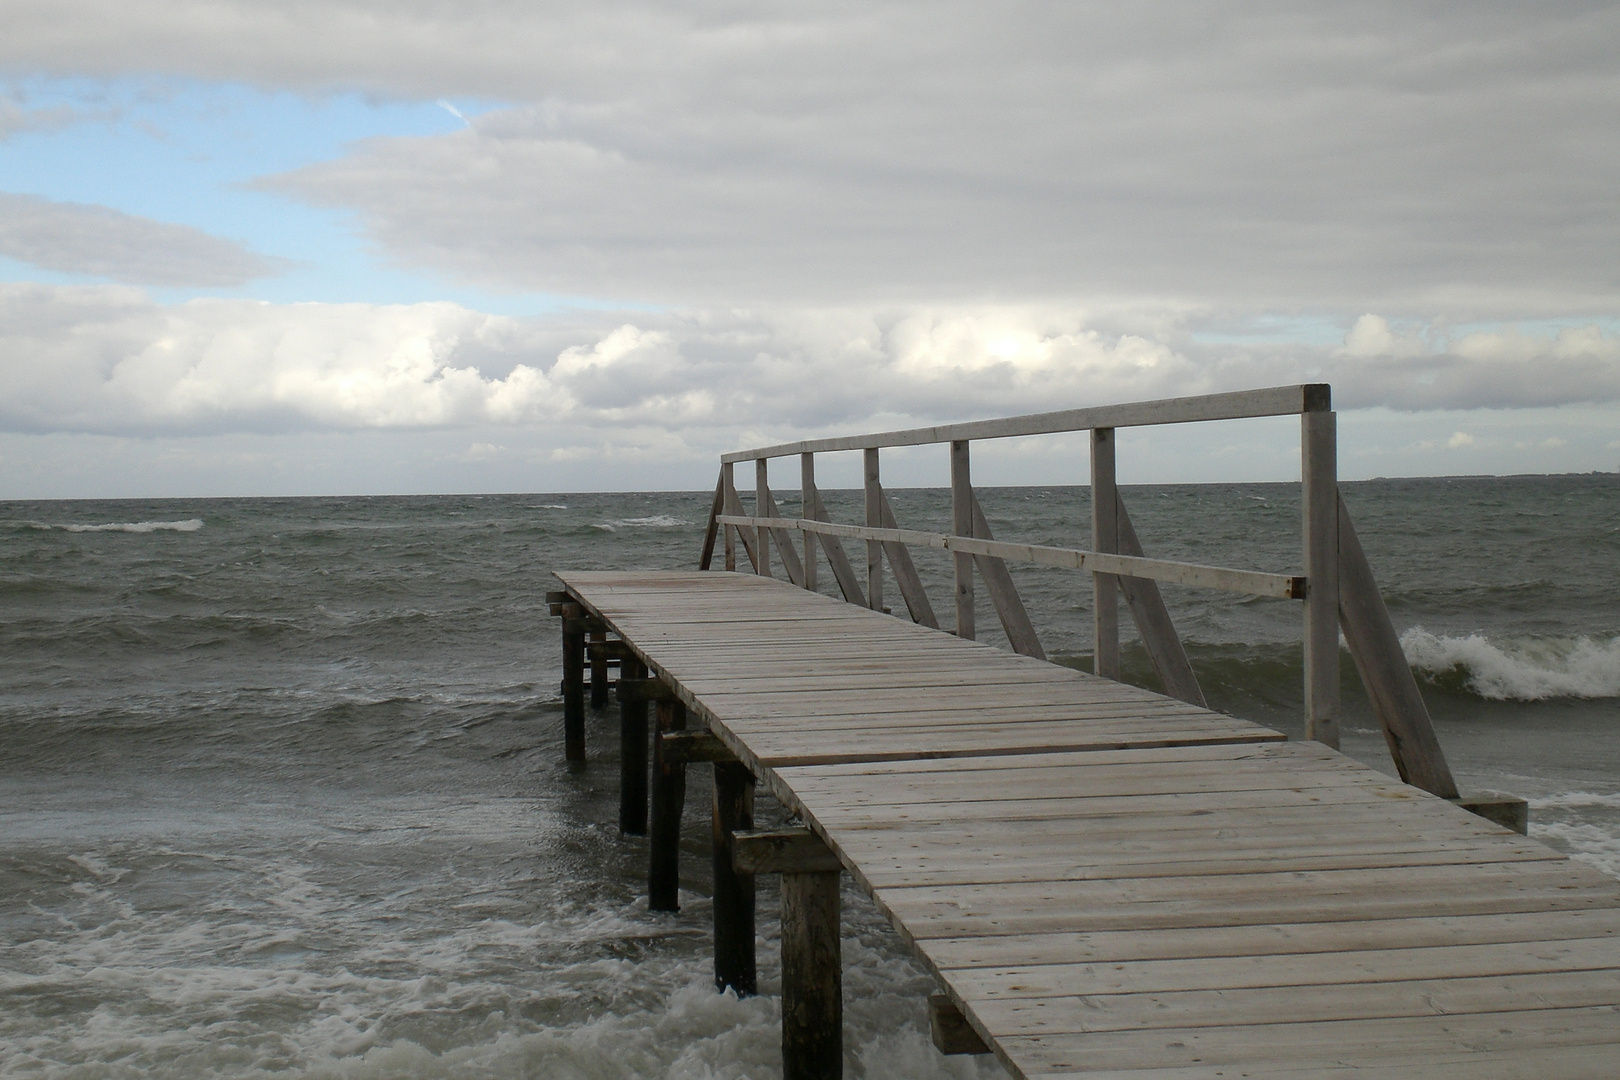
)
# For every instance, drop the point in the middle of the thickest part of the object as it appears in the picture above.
(1319, 498)
(643, 688)
(1105, 540)
(632, 750)
(874, 519)
(1391, 687)
(837, 558)
(1276, 586)
(905, 571)
(1241, 404)
(693, 747)
(1153, 621)
(734, 507)
(784, 542)
(782, 851)
(998, 583)
(611, 651)
(573, 658)
(951, 1032)
(599, 666)
(762, 565)
(664, 824)
(1508, 811)
(962, 525)
(812, 978)
(807, 498)
(734, 963)
(716, 507)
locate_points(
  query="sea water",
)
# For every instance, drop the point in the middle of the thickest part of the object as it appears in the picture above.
(282, 790)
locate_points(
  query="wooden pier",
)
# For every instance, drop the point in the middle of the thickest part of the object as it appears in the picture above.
(1106, 881)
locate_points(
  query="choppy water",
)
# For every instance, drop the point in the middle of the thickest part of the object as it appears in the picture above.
(281, 787)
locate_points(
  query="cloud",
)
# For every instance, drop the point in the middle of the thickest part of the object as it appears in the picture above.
(1459, 440)
(76, 238)
(110, 360)
(1405, 159)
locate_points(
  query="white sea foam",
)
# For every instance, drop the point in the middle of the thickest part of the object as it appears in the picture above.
(188, 525)
(657, 521)
(1531, 669)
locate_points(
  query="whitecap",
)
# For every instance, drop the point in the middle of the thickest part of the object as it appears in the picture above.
(657, 521)
(188, 525)
(1527, 669)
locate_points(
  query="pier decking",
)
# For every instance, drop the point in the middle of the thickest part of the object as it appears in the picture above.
(1109, 882)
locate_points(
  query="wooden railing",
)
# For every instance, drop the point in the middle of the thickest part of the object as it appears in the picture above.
(1337, 587)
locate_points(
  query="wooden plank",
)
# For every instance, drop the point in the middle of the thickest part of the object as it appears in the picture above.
(782, 851)
(905, 571)
(1566, 1062)
(1320, 501)
(1391, 688)
(1271, 939)
(1388, 1040)
(1190, 1009)
(1290, 969)
(1272, 401)
(1153, 621)
(962, 525)
(1009, 605)
(762, 565)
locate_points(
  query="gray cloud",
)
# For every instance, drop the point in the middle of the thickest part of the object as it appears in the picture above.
(76, 238)
(1418, 158)
(108, 360)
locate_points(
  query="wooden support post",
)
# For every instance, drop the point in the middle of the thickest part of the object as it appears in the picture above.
(1391, 688)
(762, 487)
(812, 978)
(905, 571)
(784, 540)
(1158, 632)
(962, 525)
(733, 892)
(599, 671)
(668, 800)
(734, 507)
(573, 645)
(729, 533)
(843, 570)
(950, 1029)
(807, 499)
(716, 508)
(812, 969)
(632, 750)
(1104, 537)
(1319, 494)
(998, 583)
(874, 519)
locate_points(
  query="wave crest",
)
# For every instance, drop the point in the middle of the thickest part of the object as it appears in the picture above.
(188, 525)
(1532, 669)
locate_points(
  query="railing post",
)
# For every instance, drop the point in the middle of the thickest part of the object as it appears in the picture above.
(1319, 495)
(874, 520)
(807, 500)
(962, 525)
(1104, 537)
(730, 534)
(762, 488)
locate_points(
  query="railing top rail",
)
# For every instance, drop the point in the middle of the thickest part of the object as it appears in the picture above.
(1238, 405)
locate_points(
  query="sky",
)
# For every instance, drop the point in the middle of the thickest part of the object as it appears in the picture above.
(367, 247)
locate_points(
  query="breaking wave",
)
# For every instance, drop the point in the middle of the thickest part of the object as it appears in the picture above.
(657, 521)
(1530, 669)
(188, 525)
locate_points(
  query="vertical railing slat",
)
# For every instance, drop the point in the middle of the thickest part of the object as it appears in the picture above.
(1319, 483)
(1104, 537)
(962, 525)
